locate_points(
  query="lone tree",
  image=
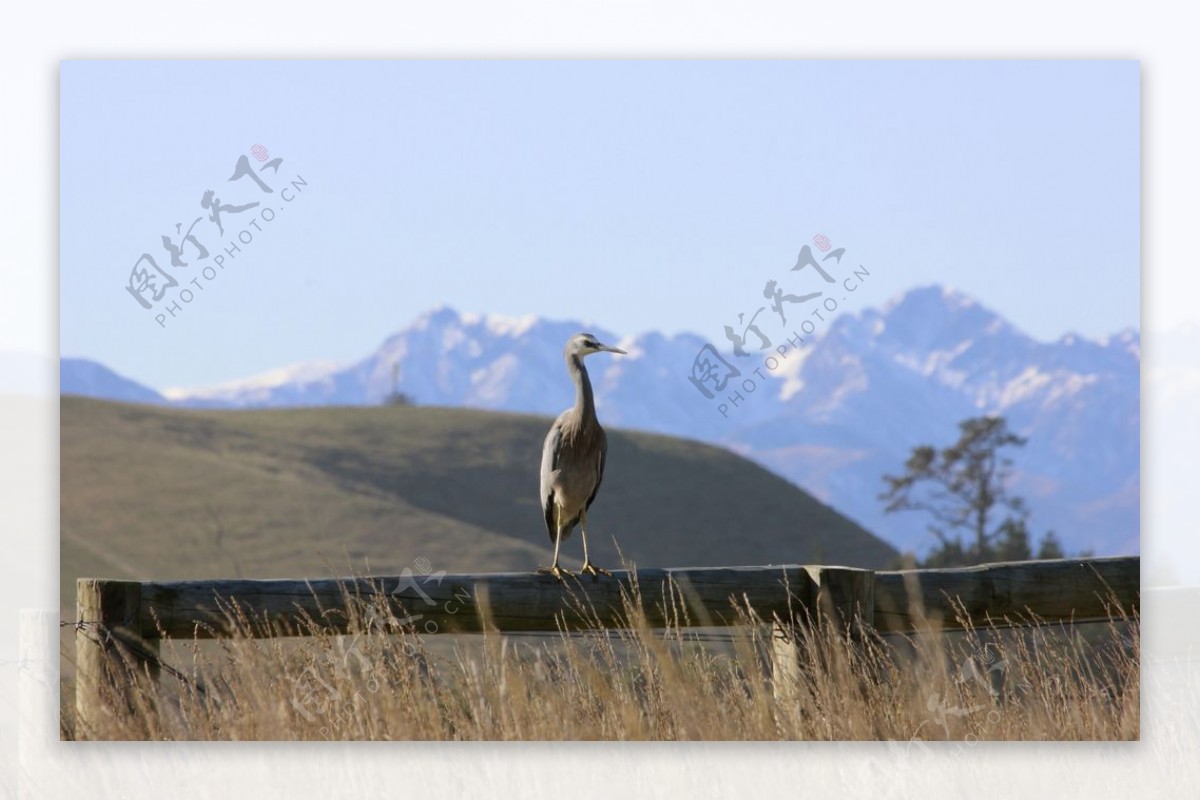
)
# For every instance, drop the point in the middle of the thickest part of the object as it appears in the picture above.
(964, 489)
(396, 397)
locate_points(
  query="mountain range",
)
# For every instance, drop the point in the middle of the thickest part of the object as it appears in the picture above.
(833, 413)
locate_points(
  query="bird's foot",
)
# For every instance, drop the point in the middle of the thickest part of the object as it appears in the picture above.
(556, 571)
(588, 567)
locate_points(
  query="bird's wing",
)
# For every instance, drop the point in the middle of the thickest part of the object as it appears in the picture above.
(599, 468)
(550, 453)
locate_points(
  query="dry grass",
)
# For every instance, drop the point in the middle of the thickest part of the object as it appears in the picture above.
(384, 681)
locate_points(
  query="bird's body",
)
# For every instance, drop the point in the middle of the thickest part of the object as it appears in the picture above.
(573, 456)
(568, 492)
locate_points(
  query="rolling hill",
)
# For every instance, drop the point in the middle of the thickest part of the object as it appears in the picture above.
(155, 492)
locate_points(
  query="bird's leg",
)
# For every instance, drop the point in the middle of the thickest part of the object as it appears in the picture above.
(588, 567)
(554, 569)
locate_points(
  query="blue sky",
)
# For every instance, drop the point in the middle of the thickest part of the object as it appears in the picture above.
(635, 195)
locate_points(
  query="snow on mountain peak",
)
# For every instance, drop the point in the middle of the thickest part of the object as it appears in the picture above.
(511, 326)
(500, 325)
(930, 296)
(932, 314)
(300, 373)
(439, 316)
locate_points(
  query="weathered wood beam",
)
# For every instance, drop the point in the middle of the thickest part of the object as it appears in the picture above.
(1053, 590)
(462, 603)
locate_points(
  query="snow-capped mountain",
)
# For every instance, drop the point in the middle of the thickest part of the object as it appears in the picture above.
(835, 415)
(295, 385)
(906, 374)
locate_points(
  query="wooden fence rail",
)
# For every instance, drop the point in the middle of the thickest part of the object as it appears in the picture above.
(131, 616)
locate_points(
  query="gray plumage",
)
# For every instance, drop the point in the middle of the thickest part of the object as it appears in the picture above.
(573, 456)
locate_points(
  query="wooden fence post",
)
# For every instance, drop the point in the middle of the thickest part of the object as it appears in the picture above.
(839, 597)
(109, 649)
(846, 599)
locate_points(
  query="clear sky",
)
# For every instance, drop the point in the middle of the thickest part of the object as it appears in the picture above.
(636, 195)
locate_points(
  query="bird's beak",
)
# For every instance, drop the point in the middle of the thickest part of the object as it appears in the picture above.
(611, 349)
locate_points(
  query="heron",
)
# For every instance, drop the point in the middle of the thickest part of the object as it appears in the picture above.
(573, 458)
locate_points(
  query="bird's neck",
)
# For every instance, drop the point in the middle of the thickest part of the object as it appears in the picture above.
(585, 407)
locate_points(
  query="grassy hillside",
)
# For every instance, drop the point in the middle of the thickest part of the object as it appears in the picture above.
(149, 492)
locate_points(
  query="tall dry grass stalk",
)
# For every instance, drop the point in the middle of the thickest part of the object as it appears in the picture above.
(384, 680)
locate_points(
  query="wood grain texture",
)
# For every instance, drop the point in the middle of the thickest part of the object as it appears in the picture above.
(462, 603)
(108, 614)
(1053, 590)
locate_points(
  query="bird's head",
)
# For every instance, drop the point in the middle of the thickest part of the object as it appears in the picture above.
(586, 344)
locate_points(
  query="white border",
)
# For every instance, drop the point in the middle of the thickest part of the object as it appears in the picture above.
(36, 37)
